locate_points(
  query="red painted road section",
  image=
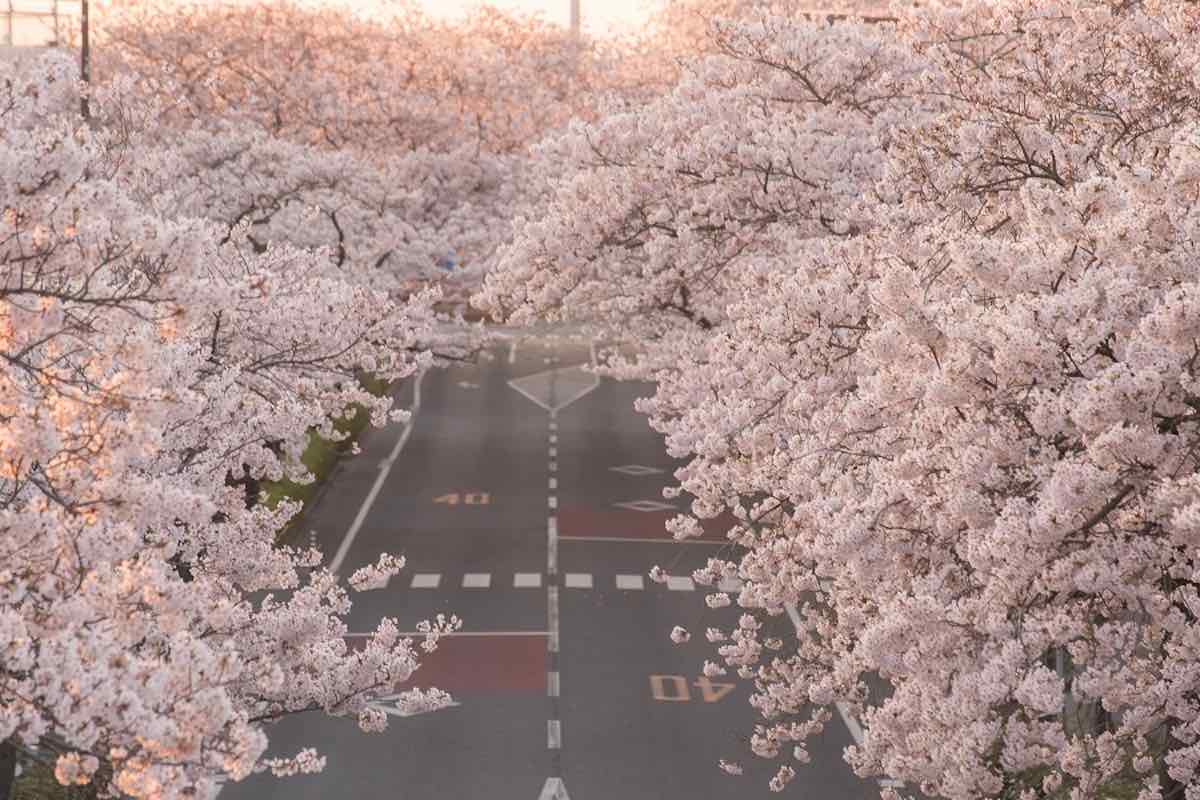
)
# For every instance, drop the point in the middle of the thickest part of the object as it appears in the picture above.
(581, 521)
(484, 665)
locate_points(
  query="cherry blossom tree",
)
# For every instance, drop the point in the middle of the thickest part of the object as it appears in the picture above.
(958, 427)
(652, 213)
(407, 134)
(152, 362)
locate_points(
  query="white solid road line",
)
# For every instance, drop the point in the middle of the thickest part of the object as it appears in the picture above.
(843, 710)
(384, 468)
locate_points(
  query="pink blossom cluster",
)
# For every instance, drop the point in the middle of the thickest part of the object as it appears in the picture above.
(155, 362)
(922, 301)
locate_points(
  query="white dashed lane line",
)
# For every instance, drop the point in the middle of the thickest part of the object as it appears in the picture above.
(572, 580)
(630, 582)
(578, 580)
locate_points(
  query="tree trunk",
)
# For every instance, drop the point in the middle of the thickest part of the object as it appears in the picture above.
(8, 769)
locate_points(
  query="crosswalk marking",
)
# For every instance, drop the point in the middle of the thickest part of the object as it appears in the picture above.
(572, 580)
(579, 580)
(630, 582)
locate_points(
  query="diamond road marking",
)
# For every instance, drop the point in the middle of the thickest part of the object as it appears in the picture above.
(680, 584)
(527, 580)
(645, 505)
(636, 469)
(426, 580)
(477, 580)
(579, 580)
(630, 582)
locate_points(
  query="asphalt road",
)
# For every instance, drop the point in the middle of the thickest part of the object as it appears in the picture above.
(527, 498)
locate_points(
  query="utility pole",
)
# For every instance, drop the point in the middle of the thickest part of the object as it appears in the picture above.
(85, 60)
(574, 18)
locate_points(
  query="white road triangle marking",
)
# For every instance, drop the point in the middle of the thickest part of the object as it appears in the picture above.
(554, 790)
(572, 382)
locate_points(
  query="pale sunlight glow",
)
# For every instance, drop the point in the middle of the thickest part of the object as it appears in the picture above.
(598, 16)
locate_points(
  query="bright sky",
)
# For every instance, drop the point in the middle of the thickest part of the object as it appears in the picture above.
(597, 15)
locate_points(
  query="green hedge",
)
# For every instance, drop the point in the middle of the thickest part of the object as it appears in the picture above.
(321, 456)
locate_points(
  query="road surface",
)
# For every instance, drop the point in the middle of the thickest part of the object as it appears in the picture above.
(527, 499)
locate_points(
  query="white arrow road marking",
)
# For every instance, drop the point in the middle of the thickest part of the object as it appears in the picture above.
(554, 790)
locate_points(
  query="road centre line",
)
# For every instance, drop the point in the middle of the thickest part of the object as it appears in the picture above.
(384, 468)
(552, 616)
(554, 483)
(552, 545)
(553, 438)
(553, 734)
(552, 502)
(552, 686)
(554, 466)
